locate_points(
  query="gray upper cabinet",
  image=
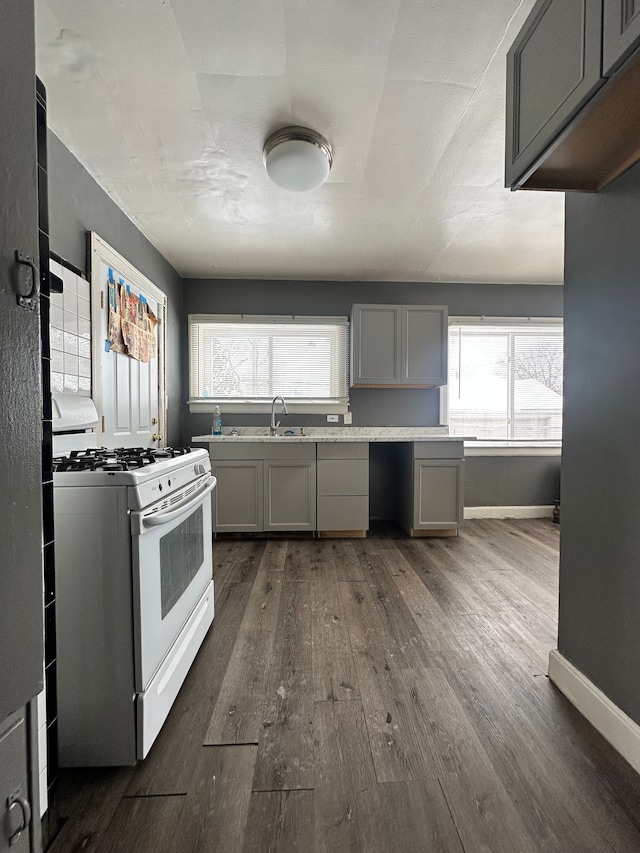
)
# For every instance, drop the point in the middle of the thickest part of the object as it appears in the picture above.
(621, 33)
(573, 76)
(553, 68)
(398, 345)
(424, 345)
(375, 345)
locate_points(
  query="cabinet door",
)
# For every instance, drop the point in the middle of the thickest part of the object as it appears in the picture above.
(424, 345)
(238, 496)
(621, 34)
(375, 345)
(553, 68)
(437, 493)
(289, 495)
(21, 599)
(14, 792)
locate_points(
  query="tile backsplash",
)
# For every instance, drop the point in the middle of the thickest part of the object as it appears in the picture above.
(70, 334)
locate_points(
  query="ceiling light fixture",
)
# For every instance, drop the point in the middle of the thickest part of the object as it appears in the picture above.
(297, 158)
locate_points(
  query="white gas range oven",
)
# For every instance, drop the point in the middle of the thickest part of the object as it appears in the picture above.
(134, 594)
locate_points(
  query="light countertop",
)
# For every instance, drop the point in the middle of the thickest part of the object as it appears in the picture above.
(328, 434)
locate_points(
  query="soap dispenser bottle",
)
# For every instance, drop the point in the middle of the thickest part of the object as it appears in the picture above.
(216, 428)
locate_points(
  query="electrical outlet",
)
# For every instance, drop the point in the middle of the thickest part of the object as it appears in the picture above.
(332, 419)
(348, 418)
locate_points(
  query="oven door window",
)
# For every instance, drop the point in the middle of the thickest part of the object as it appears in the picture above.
(181, 555)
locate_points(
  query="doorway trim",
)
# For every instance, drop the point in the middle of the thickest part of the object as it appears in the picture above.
(98, 250)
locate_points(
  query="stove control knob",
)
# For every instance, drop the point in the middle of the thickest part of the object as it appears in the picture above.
(199, 468)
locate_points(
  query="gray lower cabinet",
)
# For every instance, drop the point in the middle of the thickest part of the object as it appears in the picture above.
(15, 811)
(431, 487)
(553, 68)
(324, 486)
(621, 32)
(263, 486)
(290, 493)
(399, 345)
(343, 486)
(238, 497)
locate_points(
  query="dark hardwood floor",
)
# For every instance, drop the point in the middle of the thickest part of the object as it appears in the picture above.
(386, 694)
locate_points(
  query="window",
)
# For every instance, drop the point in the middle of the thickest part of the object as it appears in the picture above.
(505, 378)
(242, 362)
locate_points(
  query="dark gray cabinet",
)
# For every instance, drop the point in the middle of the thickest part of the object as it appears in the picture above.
(573, 76)
(431, 488)
(621, 33)
(14, 785)
(553, 68)
(343, 487)
(21, 599)
(399, 345)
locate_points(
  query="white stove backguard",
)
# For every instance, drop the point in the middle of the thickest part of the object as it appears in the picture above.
(64, 444)
(73, 418)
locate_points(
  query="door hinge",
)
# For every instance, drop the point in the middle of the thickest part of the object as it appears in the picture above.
(104, 424)
(102, 299)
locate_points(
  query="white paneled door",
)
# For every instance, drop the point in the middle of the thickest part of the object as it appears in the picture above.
(128, 392)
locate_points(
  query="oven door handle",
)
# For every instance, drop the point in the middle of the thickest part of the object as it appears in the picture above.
(180, 508)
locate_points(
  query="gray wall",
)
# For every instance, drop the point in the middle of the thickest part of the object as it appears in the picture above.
(599, 625)
(77, 205)
(511, 480)
(490, 481)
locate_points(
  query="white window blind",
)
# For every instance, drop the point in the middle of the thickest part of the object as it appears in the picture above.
(244, 361)
(505, 379)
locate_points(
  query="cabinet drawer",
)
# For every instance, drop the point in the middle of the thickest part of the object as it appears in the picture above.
(343, 477)
(343, 450)
(346, 512)
(438, 449)
(276, 449)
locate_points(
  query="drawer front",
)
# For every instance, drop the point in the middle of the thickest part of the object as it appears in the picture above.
(438, 449)
(343, 450)
(346, 512)
(276, 449)
(343, 477)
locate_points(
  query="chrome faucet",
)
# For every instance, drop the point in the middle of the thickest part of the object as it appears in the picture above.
(274, 426)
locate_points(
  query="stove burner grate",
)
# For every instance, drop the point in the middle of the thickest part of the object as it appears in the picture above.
(118, 459)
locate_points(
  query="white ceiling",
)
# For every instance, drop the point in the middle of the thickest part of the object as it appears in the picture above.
(167, 104)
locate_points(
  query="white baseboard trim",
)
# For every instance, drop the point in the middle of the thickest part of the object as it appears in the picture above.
(508, 511)
(612, 723)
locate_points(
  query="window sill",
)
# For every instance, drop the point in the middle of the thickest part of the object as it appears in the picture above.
(262, 408)
(513, 448)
